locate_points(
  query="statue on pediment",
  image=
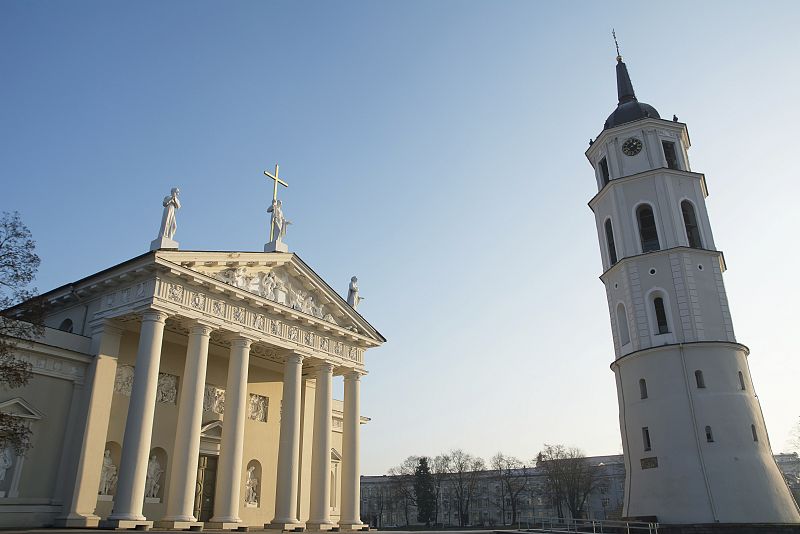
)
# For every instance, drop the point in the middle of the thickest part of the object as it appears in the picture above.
(279, 221)
(352, 293)
(169, 224)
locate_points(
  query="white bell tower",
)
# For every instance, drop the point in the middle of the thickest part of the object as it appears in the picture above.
(696, 447)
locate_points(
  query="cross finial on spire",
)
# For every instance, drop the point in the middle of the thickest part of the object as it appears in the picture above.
(616, 44)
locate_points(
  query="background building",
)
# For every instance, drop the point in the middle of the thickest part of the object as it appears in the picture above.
(384, 503)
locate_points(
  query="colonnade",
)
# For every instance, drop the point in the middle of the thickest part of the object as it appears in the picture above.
(129, 499)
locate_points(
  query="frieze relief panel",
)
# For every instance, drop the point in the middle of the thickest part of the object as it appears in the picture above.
(49, 365)
(216, 306)
(127, 295)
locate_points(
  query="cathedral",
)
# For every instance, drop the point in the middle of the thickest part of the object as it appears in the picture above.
(189, 389)
(694, 439)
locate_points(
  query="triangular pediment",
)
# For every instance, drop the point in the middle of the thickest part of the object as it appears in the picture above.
(211, 431)
(20, 408)
(281, 278)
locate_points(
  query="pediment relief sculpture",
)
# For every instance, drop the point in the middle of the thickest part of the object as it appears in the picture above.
(278, 287)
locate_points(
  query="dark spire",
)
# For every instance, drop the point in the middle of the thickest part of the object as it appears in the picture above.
(629, 109)
(624, 85)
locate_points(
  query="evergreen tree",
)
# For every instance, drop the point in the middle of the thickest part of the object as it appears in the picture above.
(424, 490)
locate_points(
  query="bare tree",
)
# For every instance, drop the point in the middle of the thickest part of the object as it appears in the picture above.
(403, 483)
(440, 468)
(570, 477)
(512, 477)
(464, 469)
(20, 319)
(794, 436)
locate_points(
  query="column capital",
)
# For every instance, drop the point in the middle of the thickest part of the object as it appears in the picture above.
(154, 315)
(242, 342)
(323, 367)
(201, 328)
(295, 358)
(353, 374)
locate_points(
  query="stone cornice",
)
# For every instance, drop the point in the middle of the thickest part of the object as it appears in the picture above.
(643, 175)
(666, 251)
(660, 348)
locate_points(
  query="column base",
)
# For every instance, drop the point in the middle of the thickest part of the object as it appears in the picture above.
(126, 524)
(171, 524)
(77, 521)
(353, 527)
(286, 526)
(226, 525)
(314, 525)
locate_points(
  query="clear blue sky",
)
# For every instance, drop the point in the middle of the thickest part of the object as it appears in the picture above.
(434, 149)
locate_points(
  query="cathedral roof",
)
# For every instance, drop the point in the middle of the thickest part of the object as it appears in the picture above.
(629, 109)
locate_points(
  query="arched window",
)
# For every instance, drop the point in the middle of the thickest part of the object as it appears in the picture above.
(643, 388)
(709, 435)
(753, 430)
(690, 223)
(661, 315)
(622, 325)
(698, 377)
(648, 234)
(741, 381)
(612, 250)
(604, 171)
(66, 325)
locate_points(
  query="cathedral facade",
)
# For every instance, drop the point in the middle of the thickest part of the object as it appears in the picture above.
(181, 389)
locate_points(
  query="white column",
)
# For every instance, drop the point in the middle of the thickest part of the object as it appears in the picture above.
(319, 517)
(79, 508)
(351, 475)
(185, 452)
(129, 499)
(289, 447)
(229, 468)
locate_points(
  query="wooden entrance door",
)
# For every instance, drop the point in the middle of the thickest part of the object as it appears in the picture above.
(206, 483)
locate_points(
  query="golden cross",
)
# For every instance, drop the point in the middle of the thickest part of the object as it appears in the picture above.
(276, 181)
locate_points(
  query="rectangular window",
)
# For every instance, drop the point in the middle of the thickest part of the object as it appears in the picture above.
(669, 154)
(604, 171)
(646, 438)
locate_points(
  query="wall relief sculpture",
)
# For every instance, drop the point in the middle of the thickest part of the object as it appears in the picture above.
(167, 392)
(257, 408)
(214, 399)
(123, 383)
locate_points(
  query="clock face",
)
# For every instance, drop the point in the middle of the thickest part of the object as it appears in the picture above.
(631, 146)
